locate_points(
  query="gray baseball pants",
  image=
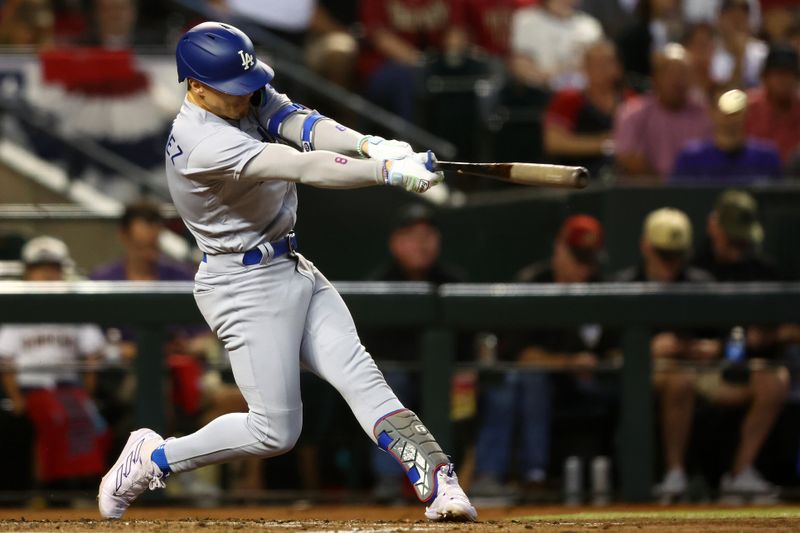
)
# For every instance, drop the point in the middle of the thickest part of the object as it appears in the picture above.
(272, 317)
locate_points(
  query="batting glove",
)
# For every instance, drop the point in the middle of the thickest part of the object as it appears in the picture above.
(411, 175)
(380, 148)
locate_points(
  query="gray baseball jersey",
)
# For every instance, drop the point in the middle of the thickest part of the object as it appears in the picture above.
(235, 189)
(229, 209)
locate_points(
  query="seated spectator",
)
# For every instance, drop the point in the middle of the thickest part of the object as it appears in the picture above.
(548, 41)
(140, 227)
(779, 17)
(523, 400)
(651, 130)
(578, 124)
(735, 235)
(739, 55)
(489, 23)
(774, 106)
(399, 33)
(415, 248)
(43, 384)
(657, 23)
(730, 156)
(686, 365)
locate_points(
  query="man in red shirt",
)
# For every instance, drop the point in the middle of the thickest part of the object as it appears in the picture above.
(774, 106)
(399, 33)
(489, 23)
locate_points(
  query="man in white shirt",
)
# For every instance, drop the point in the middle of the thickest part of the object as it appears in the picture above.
(41, 378)
(548, 42)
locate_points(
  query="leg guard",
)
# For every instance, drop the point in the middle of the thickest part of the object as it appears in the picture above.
(404, 436)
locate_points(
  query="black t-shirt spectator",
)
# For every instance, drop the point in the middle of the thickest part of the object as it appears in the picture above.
(586, 338)
(399, 344)
(753, 268)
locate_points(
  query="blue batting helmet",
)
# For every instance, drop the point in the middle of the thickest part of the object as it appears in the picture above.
(223, 58)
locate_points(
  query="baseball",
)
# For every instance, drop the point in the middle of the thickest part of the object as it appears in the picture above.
(732, 102)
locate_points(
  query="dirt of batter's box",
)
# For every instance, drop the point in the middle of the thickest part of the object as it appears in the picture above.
(367, 519)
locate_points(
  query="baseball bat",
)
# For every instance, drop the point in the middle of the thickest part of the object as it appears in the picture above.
(523, 173)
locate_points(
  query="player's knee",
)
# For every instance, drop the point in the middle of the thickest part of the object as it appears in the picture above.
(277, 432)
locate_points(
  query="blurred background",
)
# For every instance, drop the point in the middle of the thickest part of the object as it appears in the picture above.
(687, 114)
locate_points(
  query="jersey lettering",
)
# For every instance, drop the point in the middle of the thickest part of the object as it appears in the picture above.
(341, 160)
(173, 149)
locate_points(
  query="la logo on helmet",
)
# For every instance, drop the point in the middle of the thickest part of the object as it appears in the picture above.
(247, 59)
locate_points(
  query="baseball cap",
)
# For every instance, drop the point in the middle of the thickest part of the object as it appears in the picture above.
(737, 213)
(668, 230)
(782, 57)
(583, 234)
(45, 250)
(412, 214)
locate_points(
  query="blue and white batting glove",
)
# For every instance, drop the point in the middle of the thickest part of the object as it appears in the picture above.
(380, 148)
(411, 175)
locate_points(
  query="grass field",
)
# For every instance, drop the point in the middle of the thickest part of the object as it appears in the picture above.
(643, 519)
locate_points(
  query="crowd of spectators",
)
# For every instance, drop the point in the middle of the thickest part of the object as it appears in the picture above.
(598, 82)
(537, 388)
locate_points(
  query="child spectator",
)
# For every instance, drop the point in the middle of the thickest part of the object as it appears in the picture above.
(730, 156)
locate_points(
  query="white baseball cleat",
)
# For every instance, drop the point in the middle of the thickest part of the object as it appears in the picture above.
(450, 503)
(131, 475)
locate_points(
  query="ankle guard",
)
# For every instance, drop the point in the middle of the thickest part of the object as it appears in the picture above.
(403, 435)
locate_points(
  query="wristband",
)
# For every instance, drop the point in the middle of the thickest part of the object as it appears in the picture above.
(361, 142)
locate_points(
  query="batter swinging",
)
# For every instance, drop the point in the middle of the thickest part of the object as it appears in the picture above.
(232, 161)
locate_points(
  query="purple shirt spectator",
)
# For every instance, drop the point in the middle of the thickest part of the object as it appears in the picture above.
(643, 126)
(166, 270)
(703, 161)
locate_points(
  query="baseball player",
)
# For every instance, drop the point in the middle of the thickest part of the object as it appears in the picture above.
(235, 154)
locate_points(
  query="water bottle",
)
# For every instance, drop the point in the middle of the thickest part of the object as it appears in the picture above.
(113, 350)
(601, 480)
(573, 480)
(486, 348)
(736, 348)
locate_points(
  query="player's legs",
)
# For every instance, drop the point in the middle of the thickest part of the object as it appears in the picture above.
(258, 314)
(331, 348)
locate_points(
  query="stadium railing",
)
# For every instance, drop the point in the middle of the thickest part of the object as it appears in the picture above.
(635, 309)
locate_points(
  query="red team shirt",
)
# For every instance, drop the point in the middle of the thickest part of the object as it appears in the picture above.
(421, 23)
(489, 22)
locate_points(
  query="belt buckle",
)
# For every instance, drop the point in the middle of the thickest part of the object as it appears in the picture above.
(291, 244)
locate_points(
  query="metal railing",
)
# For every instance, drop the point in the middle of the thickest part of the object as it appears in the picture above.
(439, 313)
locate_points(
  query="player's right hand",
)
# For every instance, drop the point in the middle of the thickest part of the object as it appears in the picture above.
(410, 174)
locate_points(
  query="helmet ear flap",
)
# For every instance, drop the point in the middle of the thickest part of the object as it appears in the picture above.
(259, 97)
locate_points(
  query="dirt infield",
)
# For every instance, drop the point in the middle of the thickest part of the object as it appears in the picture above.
(393, 519)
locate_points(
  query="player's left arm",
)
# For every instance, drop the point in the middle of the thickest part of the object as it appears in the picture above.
(309, 130)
